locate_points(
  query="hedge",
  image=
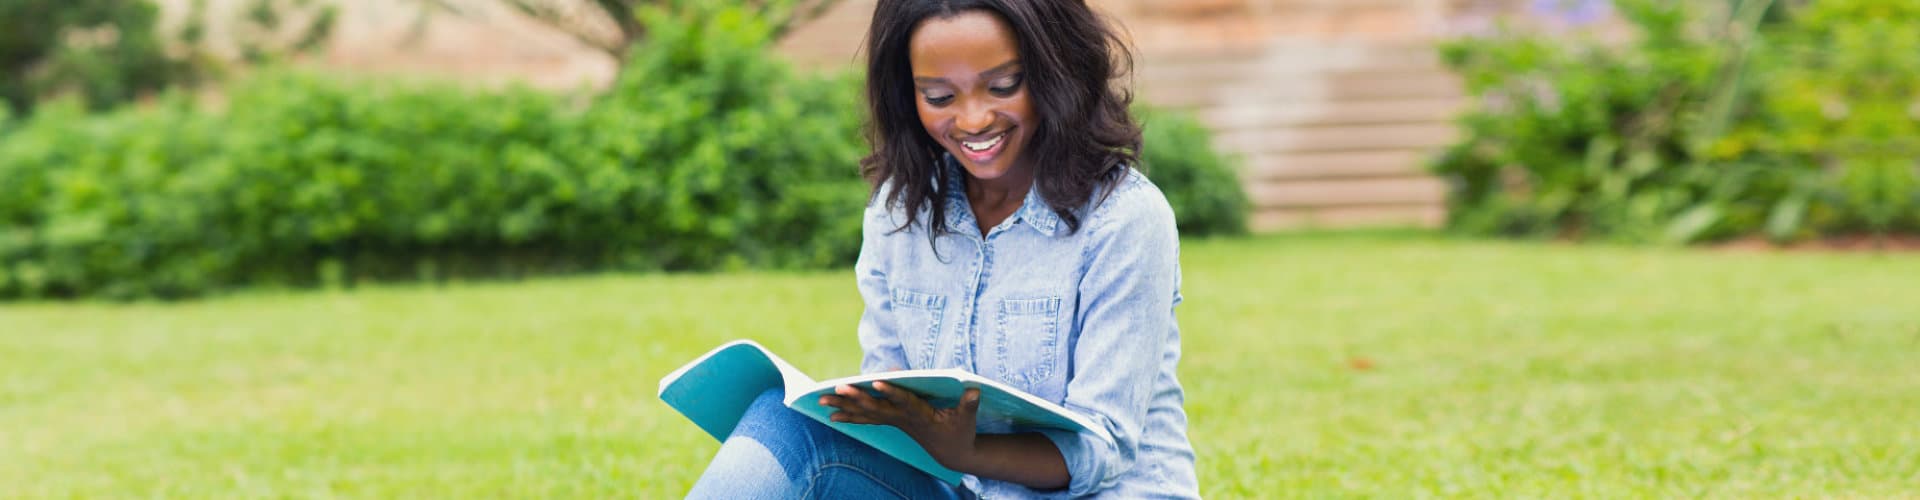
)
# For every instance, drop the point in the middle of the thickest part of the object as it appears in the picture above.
(1788, 121)
(706, 154)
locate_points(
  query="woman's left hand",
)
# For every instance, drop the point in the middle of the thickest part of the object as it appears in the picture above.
(946, 433)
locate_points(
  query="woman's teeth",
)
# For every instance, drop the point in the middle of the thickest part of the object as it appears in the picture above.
(985, 145)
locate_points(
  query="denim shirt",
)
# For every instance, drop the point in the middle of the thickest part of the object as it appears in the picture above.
(1084, 319)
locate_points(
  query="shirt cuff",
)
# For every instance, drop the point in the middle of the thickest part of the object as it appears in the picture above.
(1083, 465)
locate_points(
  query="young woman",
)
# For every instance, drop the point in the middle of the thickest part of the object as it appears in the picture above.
(1007, 236)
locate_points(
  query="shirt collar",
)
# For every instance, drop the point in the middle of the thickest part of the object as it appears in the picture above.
(1034, 211)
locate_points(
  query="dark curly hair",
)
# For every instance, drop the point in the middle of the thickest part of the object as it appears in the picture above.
(1073, 62)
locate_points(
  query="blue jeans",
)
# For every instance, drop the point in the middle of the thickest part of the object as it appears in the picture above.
(776, 452)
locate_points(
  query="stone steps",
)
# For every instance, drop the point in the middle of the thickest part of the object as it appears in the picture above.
(1288, 167)
(1332, 105)
(1273, 91)
(1385, 191)
(1336, 138)
(1417, 215)
(1330, 113)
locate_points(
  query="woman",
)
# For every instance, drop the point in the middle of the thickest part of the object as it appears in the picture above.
(1006, 236)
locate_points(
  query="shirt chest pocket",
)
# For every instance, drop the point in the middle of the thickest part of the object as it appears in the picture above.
(918, 315)
(1027, 341)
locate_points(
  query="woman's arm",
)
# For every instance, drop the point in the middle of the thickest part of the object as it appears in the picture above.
(1029, 459)
(1126, 326)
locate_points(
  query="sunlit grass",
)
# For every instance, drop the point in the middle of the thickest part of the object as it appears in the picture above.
(1316, 365)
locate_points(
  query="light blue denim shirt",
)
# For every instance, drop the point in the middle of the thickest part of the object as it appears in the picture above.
(1084, 319)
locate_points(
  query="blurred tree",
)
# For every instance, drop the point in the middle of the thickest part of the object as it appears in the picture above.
(108, 52)
(271, 29)
(105, 51)
(612, 26)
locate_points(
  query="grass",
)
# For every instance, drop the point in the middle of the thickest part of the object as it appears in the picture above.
(1316, 365)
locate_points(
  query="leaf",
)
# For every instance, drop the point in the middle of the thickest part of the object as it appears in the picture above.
(1690, 225)
(1786, 217)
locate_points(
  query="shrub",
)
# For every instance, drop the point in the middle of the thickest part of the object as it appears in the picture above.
(743, 172)
(1200, 182)
(1790, 129)
(107, 51)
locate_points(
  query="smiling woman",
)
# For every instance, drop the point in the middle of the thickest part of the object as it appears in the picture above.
(976, 114)
(983, 71)
(1008, 235)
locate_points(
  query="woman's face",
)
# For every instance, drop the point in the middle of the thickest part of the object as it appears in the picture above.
(971, 94)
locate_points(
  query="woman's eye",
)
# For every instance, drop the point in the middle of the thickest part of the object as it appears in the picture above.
(939, 99)
(1006, 86)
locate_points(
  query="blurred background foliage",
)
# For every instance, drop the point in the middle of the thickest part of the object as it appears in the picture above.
(1784, 120)
(613, 26)
(104, 50)
(105, 53)
(1199, 181)
(706, 153)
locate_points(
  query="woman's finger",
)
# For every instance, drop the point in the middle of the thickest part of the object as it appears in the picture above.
(853, 397)
(896, 395)
(969, 404)
(863, 416)
(850, 418)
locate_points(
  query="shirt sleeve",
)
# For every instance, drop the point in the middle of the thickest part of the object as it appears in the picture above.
(879, 343)
(1128, 294)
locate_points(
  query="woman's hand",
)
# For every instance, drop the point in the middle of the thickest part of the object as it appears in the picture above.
(946, 433)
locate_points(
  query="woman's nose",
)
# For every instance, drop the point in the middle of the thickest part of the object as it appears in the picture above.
(974, 118)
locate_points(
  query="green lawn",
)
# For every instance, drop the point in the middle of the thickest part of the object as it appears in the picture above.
(1317, 365)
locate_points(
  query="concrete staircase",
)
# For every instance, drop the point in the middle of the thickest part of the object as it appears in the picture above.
(1331, 132)
(1334, 106)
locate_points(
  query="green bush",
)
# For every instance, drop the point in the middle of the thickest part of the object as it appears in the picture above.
(706, 154)
(1198, 181)
(106, 51)
(1709, 125)
(745, 172)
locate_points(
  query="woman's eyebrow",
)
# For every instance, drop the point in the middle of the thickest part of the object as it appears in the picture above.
(995, 71)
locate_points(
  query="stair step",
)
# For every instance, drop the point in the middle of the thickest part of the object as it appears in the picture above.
(1411, 190)
(1337, 138)
(1296, 54)
(1425, 216)
(1336, 165)
(1308, 88)
(1328, 113)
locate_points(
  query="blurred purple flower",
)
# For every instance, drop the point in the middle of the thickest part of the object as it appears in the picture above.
(1574, 12)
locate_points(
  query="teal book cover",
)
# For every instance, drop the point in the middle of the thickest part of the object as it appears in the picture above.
(714, 390)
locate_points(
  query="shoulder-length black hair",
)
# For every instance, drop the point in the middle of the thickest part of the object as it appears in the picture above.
(1072, 62)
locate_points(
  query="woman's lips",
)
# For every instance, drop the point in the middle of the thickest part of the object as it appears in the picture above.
(985, 150)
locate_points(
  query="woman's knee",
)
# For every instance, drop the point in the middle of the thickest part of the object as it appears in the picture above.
(812, 457)
(780, 429)
(763, 457)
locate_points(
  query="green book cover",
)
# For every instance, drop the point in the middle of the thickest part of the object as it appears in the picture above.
(714, 390)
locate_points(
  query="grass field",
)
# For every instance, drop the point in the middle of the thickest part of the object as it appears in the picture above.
(1317, 365)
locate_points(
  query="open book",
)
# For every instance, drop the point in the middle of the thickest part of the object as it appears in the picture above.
(715, 389)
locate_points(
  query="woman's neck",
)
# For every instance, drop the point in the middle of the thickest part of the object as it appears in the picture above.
(993, 200)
